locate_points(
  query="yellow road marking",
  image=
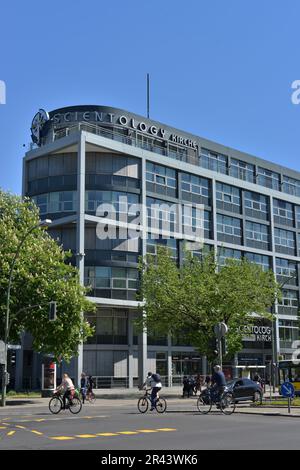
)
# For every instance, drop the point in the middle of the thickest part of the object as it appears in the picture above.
(39, 420)
(3, 427)
(20, 427)
(11, 433)
(36, 432)
(166, 429)
(128, 432)
(148, 430)
(107, 434)
(86, 436)
(62, 438)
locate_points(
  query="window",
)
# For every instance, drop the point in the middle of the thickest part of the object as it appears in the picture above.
(195, 189)
(289, 300)
(227, 253)
(153, 244)
(121, 201)
(256, 234)
(228, 226)
(283, 212)
(242, 170)
(291, 186)
(103, 279)
(161, 179)
(284, 241)
(228, 197)
(56, 202)
(267, 178)
(213, 161)
(256, 205)
(286, 271)
(161, 215)
(261, 260)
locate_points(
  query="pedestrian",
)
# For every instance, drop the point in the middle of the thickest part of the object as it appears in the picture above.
(185, 383)
(83, 386)
(198, 383)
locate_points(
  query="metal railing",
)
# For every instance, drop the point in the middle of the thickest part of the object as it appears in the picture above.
(135, 138)
(108, 381)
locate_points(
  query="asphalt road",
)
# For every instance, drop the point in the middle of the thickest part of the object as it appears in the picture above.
(118, 425)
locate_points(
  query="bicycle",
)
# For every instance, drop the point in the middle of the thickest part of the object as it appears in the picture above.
(74, 404)
(209, 397)
(145, 401)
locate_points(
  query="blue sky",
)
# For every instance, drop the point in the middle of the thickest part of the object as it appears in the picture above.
(222, 70)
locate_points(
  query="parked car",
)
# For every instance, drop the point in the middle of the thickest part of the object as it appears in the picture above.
(245, 390)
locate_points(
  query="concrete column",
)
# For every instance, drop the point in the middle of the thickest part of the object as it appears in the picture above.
(130, 351)
(169, 365)
(80, 235)
(142, 339)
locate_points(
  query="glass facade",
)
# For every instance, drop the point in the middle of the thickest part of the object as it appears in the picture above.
(236, 214)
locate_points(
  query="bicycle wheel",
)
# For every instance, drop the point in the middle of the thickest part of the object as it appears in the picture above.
(143, 405)
(55, 405)
(75, 405)
(227, 404)
(161, 405)
(204, 404)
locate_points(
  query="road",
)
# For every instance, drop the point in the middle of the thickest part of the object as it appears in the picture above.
(112, 425)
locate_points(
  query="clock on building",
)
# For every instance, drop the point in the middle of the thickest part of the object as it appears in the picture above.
(37, 125)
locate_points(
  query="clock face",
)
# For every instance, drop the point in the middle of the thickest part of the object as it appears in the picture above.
(37, 124)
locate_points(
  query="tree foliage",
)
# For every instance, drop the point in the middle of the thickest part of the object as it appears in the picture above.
(194, 297)
(41, 274)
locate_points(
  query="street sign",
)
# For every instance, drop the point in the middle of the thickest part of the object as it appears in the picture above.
(220, 329)
(14, 346)
(287, 390)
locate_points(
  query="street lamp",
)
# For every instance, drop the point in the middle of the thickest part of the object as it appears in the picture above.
(42, 223)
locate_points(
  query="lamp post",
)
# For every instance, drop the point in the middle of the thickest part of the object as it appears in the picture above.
(42, 223)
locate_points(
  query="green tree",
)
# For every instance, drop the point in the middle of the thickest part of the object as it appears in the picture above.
(194, 297)
(42, 274)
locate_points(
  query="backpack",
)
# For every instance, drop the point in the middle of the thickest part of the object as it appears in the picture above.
(156, 378)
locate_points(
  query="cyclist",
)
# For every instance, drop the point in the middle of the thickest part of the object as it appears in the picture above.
(67, 387)
(218, 382)
(153, 381)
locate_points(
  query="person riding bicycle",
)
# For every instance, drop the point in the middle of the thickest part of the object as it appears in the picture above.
(153, 381)
(218, 382)
(67, 387)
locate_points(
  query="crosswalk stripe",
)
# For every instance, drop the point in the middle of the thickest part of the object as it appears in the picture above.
(127, 432)
(147, 430)
(166, 429)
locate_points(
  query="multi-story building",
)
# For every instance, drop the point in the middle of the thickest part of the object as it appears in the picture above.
(86, 155)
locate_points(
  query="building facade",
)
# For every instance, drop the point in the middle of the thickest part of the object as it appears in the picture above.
(85, 156)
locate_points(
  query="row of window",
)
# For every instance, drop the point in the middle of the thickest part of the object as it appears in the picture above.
(255, 204)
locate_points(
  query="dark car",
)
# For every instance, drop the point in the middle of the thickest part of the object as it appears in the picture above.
(245, 389)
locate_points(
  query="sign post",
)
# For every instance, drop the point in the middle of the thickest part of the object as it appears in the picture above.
(220, 330)
(287, 390)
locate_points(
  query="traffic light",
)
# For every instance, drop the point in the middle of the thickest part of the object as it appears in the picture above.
(213, 346)
(224, 346)
(52, 311)
(7, 378)
(13, 358)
